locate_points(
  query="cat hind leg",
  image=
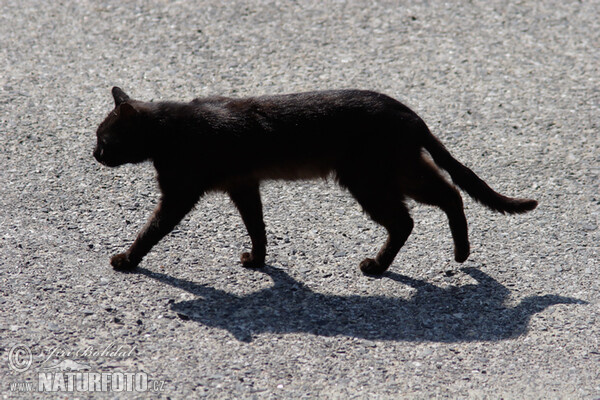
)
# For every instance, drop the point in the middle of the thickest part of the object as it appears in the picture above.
(429, 187)
(384, 204)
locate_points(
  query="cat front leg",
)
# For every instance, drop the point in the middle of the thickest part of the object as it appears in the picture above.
(247, 200)
(169, 212)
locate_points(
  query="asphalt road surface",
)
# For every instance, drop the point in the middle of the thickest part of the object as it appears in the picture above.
(511, 88)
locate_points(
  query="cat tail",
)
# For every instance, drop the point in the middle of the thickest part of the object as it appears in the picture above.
(466, 179)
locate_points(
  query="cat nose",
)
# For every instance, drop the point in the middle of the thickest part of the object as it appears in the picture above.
(98, 154)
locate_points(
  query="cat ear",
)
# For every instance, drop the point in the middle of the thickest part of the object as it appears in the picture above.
(119, 96)
(126, 110)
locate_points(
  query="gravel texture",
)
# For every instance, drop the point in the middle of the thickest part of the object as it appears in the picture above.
(512, 89)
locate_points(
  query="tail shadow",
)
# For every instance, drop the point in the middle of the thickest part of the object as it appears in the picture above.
(474, 312)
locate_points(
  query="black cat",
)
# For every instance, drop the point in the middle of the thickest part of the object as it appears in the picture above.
(372, 144)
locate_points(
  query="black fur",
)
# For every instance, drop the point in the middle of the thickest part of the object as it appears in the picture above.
(371, 143)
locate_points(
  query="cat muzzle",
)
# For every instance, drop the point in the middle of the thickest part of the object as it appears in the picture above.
(98, 155)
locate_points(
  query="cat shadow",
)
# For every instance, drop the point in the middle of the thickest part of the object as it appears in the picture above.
(473, 312)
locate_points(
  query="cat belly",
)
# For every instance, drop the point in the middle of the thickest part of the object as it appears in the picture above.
(293, 172)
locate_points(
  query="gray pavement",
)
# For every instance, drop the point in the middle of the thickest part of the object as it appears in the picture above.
(512, 89)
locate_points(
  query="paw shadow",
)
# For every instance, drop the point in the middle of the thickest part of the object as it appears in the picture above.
(474, 312)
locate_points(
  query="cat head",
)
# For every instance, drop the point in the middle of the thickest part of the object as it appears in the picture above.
(120, 136)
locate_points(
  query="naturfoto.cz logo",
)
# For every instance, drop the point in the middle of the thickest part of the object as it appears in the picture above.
(69, 375)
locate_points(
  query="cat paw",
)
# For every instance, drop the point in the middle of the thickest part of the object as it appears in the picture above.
(248, 261)
(369, 266)
(121, 262)
(461, 255)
